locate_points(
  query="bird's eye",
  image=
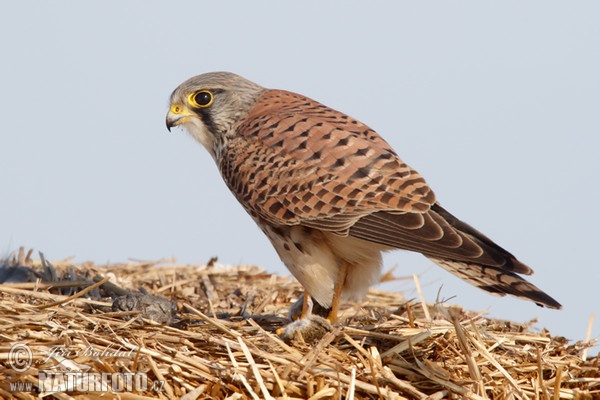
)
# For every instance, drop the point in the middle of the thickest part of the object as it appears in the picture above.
(201, 99)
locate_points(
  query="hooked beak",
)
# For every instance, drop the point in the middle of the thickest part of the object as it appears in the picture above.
(177, 115)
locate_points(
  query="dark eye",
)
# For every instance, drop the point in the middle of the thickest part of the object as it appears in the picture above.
(201, 99)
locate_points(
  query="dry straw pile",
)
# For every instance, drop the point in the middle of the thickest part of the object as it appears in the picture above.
(218, 341)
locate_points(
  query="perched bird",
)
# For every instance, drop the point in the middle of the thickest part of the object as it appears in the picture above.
(331, 194)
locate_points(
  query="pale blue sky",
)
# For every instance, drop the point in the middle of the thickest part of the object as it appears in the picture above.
(496, 104)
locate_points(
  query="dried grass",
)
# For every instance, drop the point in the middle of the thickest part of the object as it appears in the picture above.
(224, 345)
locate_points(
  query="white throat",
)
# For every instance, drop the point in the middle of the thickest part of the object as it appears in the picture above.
(196, 128)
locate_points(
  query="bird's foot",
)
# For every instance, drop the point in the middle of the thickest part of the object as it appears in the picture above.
(308, 324)
(306, 306)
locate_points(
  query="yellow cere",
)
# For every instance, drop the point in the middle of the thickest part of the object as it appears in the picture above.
(176, 109)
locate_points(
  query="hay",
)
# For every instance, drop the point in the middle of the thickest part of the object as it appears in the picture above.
(220, 341)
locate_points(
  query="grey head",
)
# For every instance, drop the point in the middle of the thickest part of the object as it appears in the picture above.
(208, 105)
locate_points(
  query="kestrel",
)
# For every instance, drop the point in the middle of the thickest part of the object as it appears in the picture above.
(331, 194)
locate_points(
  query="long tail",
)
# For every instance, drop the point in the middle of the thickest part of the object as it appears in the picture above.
(497, 281)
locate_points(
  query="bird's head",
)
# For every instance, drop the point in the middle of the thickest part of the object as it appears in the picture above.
(208, 106)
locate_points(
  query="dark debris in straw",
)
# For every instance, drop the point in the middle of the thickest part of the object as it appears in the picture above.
(214, 337)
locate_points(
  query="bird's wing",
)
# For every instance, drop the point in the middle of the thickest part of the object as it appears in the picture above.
(293, 161)
(437, 234)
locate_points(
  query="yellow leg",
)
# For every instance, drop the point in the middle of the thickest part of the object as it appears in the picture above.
(337, 292)
(306, 305)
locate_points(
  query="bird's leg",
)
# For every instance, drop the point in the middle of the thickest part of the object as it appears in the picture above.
(307, 305)
(337, 292)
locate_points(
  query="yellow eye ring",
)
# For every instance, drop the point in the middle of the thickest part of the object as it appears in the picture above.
(201, 99)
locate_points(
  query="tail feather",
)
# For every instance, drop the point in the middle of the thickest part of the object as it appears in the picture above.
(497, 281)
